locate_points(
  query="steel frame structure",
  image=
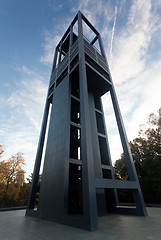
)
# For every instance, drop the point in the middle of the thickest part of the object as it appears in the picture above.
(78, 182)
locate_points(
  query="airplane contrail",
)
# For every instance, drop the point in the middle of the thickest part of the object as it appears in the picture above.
(113, 31)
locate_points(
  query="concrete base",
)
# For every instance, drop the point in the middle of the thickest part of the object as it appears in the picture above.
(15, 226)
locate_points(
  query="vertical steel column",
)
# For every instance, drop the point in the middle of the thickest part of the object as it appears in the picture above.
(55, 59)
(60, 51)
(101, 46)
(70, 45)
(38, 158)
(89, 193)
(66, 182)
(125, 144)
(71, 36)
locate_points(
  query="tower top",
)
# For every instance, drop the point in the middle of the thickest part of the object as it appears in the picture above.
(81, 36)
(89, 28)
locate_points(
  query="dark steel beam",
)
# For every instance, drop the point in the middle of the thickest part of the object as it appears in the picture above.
(60, 51)
(94, 40)
(101, 46)
(34, 184)
(55, 59)
(115, 184)
(89, 24)
(89, 195)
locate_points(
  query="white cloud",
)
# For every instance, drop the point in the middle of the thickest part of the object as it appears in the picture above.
(30, 93)
(51, 42)
(137, 83)
(52, 38)
(20, 132)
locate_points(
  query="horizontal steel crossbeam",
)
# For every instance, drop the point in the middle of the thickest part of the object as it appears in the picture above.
(115, 184)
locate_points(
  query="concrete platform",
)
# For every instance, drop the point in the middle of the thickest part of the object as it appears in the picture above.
(15, 226)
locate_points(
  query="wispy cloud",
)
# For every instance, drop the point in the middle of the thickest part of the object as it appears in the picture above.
(20, 132)
(50, 42)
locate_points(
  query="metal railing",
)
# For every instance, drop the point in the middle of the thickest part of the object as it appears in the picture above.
(92, 45)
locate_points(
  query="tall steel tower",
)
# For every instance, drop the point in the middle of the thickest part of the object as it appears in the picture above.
(78, 182)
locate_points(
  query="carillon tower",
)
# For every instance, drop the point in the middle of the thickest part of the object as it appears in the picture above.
(78, 183)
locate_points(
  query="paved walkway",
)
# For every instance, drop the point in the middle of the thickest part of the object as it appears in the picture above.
(15, 226)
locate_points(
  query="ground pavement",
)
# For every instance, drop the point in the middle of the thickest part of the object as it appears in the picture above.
(15, 226)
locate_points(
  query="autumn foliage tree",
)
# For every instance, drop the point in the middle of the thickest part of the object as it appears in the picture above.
(11, 177)
(1, 150)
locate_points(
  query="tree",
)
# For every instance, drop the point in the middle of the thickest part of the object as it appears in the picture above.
(1, 150)
(29, 180)
(11, 177)
(146, 152)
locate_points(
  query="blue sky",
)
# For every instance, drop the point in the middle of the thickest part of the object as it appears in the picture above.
(29, 32)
